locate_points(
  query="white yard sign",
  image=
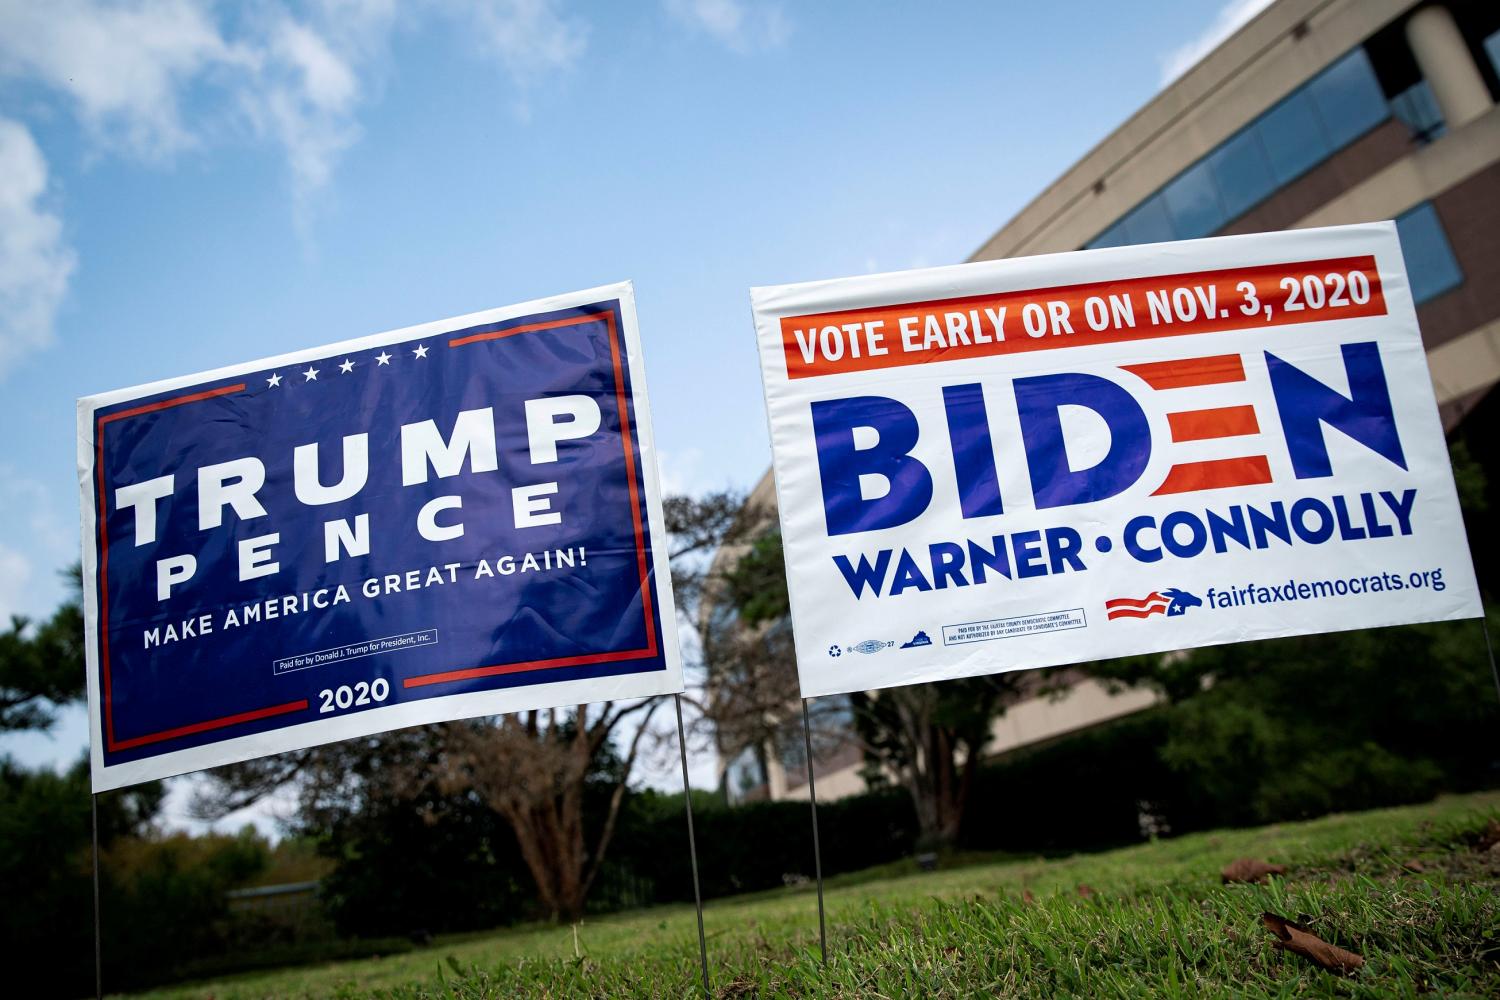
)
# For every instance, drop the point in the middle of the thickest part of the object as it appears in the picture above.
(1054, 459)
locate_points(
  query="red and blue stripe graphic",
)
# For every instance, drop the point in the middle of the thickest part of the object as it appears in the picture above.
(1126, 607)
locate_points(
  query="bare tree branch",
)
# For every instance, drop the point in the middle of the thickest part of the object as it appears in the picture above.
(617, 797)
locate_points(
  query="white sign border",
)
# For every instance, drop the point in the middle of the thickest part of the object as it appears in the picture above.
(770, 303)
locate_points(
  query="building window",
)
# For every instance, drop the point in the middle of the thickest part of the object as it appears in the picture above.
(1114, 236)
(1430, 264)
(1349, 99)
(1418, 110)
(1192, 201)
(1315, 121)
(1292, 137)
(793, 760)
(1242, 172)
(1150, 223)
(744, 774)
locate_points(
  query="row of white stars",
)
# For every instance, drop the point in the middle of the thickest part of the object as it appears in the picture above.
(311, 375)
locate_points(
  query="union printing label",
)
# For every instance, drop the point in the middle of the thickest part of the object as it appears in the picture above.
(1005, 628)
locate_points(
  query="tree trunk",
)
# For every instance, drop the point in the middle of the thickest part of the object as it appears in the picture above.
(938, 792)
(535, 776)
(554, 858)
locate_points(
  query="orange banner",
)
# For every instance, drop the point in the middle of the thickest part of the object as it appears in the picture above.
(1102, 312)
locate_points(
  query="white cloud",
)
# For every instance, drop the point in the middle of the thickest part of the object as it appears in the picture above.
(28, 506)
(740, 25)
(44, 542)
(35, 261)
(312, 76)
(128, 69)
(1231, 18)
(363, 24)
(681, 471)
(530, 37)
(326, 81)
(122, 65)
(15, 577)
(151, 78)
(271, 815)
(304, 97)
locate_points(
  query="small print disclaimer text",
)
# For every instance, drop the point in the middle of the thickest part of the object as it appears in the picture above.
(355, 650)
(1006, 628)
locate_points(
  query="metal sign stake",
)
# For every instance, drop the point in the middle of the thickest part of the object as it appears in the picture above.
(687, 797)
(812, 795)
(98, 946)
(1489, 648)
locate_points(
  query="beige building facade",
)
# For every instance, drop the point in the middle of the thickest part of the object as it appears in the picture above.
(1318, 113)
(1315, 113)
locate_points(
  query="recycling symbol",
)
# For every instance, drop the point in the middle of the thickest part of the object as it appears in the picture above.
(834, 651)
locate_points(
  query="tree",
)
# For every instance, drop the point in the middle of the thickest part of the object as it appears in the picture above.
(932, 737)
(540, 770)
(748, 654)
(45, 834)
(699, 527)
(46, 872)
(1294, 727)
(42, 667)
(534, 769)
(929, 736)
(412, 861)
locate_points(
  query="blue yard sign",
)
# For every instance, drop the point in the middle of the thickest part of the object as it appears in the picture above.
(445, 521)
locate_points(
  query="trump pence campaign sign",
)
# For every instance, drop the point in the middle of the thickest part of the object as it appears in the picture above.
(450, 520)
(1055, 459)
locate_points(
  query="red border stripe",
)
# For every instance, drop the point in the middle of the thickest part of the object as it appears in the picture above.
(651, 648)
(532, 327)
(165, 404)
(469, 673)
(199, 727)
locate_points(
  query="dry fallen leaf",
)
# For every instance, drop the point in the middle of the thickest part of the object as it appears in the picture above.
(1250, 870)
(1027, 897)
(1298, 939)
(1085, 891)
(1414, 866)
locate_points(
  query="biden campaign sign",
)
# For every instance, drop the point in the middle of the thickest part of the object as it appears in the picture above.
(1055, 459)
(450, 520)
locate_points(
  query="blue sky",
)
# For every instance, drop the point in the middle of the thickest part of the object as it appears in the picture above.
(185, 185)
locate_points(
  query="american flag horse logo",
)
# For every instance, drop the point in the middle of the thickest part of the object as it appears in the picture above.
(1171, 602)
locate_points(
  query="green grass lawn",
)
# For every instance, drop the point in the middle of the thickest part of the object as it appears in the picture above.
(1158, 923)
